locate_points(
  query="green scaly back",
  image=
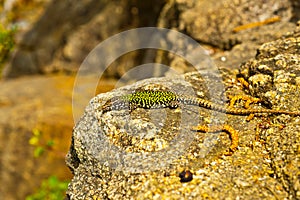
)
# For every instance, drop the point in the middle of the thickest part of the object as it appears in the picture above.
(152, 99)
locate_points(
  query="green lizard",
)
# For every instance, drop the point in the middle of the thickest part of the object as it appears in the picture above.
(166, 99)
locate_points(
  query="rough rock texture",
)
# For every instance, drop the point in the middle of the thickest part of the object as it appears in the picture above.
(213, 24)
(139, 155)
(274, 76)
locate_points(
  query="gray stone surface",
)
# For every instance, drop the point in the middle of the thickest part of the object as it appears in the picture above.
(105, 146)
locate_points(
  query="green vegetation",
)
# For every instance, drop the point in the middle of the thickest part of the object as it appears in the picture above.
(51, 189)
(6, 43)
(39, 143)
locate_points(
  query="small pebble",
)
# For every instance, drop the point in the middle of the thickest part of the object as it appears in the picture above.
(185, 176)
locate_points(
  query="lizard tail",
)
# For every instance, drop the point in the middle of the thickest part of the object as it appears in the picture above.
(229, 110)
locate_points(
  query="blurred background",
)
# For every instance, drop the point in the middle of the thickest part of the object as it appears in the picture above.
(44, 42)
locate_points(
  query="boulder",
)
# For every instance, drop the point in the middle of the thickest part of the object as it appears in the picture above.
(143, 153)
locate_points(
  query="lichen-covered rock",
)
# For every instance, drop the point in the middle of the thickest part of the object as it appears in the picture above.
(140, 154)
(119, 150)
(274, 73)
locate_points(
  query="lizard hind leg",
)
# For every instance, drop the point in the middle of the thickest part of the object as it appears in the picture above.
(233, 135)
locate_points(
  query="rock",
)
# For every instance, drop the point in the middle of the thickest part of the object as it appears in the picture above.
(39, 44)
(67, 32)
(212, 24)
(275, 69)
(273, 75)
(140, 154)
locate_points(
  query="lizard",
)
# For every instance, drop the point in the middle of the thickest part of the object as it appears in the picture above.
(149, 99)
